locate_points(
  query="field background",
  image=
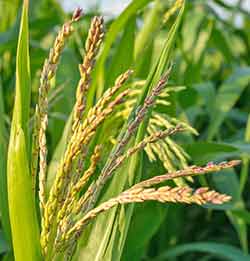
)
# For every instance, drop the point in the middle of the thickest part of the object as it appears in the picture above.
(211, 60)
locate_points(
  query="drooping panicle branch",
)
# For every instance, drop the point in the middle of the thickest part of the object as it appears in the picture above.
(163, 194)
(141, 145)
(189, 171)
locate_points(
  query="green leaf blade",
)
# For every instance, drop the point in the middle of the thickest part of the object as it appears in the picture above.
(227, 96)
(24, 226)
(23, 219)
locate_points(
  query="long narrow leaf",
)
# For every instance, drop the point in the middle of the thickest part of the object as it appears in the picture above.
(227, 96)
(115, 29)
(23, 89)
(24, 225)
(123, 56)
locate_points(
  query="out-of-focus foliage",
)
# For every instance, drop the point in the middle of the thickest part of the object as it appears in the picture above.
(211, 59)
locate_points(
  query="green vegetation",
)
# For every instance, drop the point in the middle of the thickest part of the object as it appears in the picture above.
(160, 96)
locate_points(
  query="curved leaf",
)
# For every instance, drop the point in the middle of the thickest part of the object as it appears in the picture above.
(227, 96)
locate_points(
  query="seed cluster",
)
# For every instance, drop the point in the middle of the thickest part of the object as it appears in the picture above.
(81, 174)
(92, 46)
(41, 115)
(93, 192)
(188, 172)
(138, 195)
(178, 4)
(79, 140)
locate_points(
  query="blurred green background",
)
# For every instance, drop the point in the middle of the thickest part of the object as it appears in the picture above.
(211, 59)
